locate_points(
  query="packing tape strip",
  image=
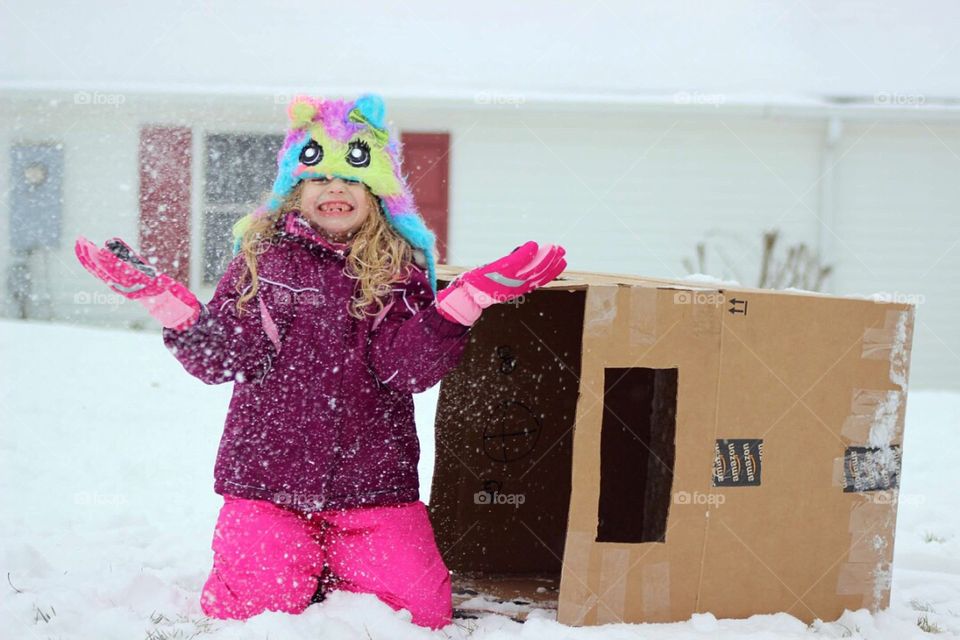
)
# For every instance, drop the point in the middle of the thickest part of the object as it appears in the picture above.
(866, 571)
(839, 472)
(838, 479)
(615, 565)
(601, 310)
(868, 548)
(876, 415)
(576, 600)
(890, 343)
(656, 590)
(599, 579)
(869, 580)
(852, 578)
(874, 418)
(642, 316)
(707, 318)
(866, 516)
(878, 342)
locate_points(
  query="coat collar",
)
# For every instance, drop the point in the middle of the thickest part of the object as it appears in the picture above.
(295, 225)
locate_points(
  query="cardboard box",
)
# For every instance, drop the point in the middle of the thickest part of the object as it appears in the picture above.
(640, 450)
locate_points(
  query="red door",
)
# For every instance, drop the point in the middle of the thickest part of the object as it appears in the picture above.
(426, 162)
(165, 154)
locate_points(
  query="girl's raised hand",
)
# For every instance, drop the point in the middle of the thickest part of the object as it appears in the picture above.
(127, 273)
(527, 267)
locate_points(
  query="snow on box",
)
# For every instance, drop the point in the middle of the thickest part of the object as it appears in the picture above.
(629, 449)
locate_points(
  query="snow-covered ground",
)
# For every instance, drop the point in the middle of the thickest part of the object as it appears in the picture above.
(107, 511)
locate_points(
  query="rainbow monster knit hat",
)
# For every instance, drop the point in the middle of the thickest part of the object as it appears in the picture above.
(348, 140)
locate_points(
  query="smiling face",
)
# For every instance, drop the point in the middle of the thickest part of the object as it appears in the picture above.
(335, 208)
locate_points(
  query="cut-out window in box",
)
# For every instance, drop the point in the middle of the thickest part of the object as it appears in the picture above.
(637, 451)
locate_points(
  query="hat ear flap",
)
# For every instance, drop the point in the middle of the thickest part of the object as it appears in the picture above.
(301, 111)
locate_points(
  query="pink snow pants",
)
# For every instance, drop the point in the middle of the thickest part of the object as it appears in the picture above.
(269, 557)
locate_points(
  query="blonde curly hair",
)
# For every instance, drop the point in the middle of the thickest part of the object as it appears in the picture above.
(378, 255)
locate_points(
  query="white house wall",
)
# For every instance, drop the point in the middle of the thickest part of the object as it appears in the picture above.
(630, 193)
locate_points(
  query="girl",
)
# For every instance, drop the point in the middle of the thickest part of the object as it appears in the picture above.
(327, 321)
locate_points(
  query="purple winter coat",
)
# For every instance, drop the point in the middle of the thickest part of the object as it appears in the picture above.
(322, 410)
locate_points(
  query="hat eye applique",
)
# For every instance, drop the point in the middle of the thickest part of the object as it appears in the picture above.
(358, 155)
(312, 153)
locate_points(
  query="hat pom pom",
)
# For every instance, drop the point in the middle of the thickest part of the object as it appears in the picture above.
(301, 111)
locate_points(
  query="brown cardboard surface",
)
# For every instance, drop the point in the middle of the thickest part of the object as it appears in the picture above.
(789, 373)
(812, 376)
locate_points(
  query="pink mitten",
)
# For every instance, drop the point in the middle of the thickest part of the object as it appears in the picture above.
(526, 268)
(127, 273)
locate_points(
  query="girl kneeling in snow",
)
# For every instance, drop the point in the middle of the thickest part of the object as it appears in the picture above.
(327, 321)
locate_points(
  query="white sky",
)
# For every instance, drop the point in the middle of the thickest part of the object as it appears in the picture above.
(791, 49)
